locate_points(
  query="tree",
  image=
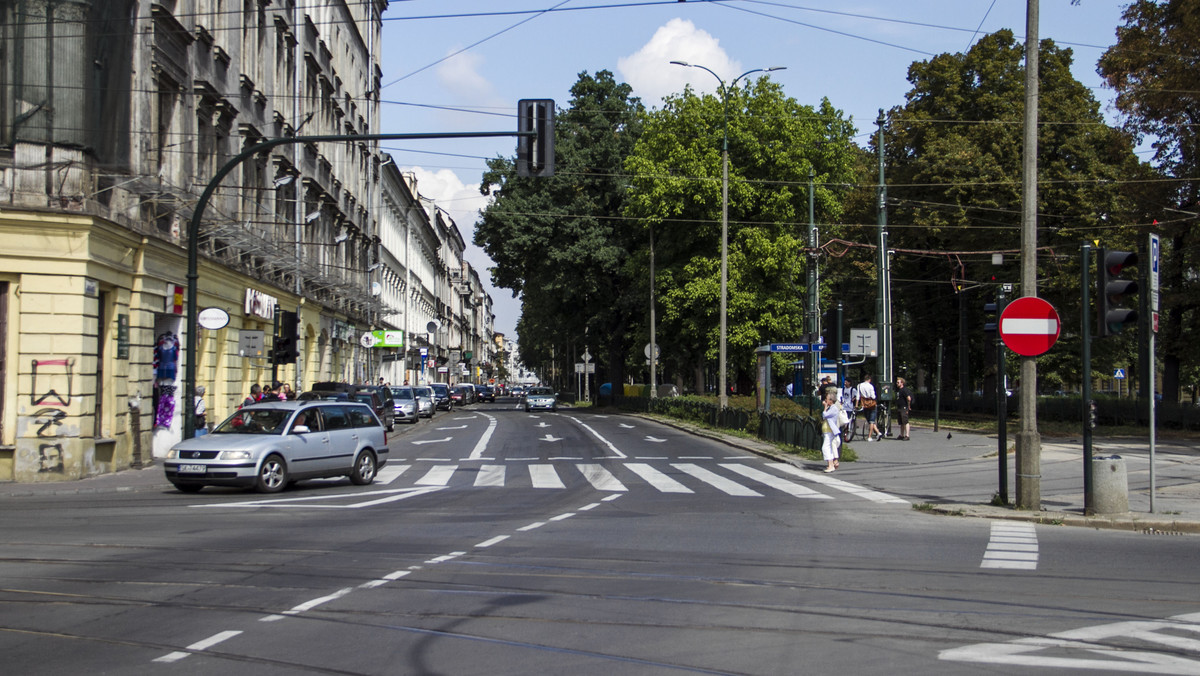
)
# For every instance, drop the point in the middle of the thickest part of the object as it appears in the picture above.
(559, 241)
(1153, 69)
(675, 176)
(954, 174)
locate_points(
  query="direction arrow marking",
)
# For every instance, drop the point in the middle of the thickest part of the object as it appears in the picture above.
(628, 427)
(542, 424)
(458, 427)
(550, 438)
(655, 439)
(432, 441)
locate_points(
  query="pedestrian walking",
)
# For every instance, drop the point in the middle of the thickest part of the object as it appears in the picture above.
(200, 412)
(268, 393)
(904, 400)
(866, 399)
(848, 395)
(832, 443)
(285, 392)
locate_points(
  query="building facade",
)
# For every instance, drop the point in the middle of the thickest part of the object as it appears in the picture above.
(117, 114)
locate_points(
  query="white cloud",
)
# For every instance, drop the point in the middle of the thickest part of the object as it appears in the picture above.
(650, 72)
(460, 75)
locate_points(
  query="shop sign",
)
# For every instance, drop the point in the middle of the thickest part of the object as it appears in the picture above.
(122, 336)
(173, 304)
(388, 338)
(259, 304)
(213, 318)
(343, 331)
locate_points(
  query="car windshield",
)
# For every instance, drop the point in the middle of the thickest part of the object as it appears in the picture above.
(402, 393)
(441, 390)
(365, 398)
(254, 421)
(423, 391)
(541, 390)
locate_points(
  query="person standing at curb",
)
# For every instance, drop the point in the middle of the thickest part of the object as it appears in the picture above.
(866, 399)
(832, 442)
(904, 399)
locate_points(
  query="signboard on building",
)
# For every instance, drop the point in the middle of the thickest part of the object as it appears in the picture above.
(250, 343)
(388, 338)
(259, 304)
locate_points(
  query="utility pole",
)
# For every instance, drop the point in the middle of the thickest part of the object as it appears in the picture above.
(1029, 442)
(884, 309)
(814, 314)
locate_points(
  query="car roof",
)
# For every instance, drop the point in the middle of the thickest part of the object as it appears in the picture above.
(293, 405)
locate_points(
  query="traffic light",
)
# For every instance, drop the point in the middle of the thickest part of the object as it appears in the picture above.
(1118, 284)
(535, 154)
(286, 347)
(831, 333)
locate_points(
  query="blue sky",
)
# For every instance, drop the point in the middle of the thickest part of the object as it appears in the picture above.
(462, 65)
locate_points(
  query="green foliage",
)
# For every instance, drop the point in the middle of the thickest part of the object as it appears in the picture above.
(675, 173)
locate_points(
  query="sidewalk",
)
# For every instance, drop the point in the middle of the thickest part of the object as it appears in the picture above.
(958, 473)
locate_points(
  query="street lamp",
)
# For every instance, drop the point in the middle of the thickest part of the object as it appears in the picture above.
(723, 397)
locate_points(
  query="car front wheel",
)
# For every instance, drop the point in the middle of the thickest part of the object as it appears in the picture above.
(364, 469)
(272, 476)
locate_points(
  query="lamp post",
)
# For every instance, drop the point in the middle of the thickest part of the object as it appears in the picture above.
(723, 397)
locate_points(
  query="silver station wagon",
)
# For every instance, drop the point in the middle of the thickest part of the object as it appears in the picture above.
(270, 445)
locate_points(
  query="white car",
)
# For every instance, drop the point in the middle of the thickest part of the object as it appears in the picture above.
(425, 401)
(541, 398)
(270, 445)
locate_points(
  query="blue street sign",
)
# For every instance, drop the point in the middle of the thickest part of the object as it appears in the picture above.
(1119, 374)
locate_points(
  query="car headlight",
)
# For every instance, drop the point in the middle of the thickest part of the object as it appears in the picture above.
(234, 455)
(172, 454)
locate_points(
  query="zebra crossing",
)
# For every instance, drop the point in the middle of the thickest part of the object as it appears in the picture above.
(736, 479)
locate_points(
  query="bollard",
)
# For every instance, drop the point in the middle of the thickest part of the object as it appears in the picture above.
(1110, 486)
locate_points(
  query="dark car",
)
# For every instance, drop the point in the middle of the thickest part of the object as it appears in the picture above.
(385, 412)
(462, 394)
(441, 396)
(485, 393)
(384, 393)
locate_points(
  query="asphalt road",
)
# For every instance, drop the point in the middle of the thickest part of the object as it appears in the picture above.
(501, 542)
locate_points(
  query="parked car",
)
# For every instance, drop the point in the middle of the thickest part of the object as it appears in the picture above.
(541, 398)
(484, 393)
(425, 404)
(404, 404)
(384, 392)
(441, 397)
(270, 445)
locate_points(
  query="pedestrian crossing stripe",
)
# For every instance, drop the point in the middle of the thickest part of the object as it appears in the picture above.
(744, 481)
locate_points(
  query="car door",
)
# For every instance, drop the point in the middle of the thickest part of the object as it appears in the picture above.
(306, 451)
(343, 438)
(370, 433)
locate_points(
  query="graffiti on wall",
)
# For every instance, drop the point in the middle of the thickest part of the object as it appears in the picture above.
(47, 420)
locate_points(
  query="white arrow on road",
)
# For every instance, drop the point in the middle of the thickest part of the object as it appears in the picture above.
(655, 440)
(432, 441)
(459, 427)
(541, 424)
(628, 427)
(550, 438)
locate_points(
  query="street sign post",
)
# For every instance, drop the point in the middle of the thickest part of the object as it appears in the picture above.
(1029, 326)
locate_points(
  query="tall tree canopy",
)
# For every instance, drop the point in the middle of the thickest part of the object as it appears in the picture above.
(559, 241)
(675, 176)
(954, 171)
(1153, 69)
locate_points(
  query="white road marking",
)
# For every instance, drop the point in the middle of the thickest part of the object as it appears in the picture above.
(445, 557)
(438, 476)
(550, 438)
(390, 473)
(628, 427)
(838, 484)
(596, 434)
(717, 481)
(775, 482)
(433, 441)
(456, 427)
(600, 478)
(198, 646)
(535, 524)
(544, 476)
(309, 605)
(490, 475)
(560, 517)
(542, 424)
(589, 507)
(1012, 546)
(657, 479)
(655, 440)
(488, 543)
(1088, 643)
(309, 502)
(483, 441)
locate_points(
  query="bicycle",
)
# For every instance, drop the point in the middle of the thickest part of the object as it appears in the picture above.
(853, 428)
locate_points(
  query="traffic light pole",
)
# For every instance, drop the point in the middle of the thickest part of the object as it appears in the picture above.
(275, 346)
(1001, 400)
(193, 232)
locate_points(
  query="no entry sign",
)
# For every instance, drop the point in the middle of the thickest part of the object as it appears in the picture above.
(1029, 326)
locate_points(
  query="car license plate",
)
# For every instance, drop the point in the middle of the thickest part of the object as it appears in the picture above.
(193, 469)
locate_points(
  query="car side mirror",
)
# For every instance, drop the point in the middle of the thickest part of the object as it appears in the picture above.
(300, 429)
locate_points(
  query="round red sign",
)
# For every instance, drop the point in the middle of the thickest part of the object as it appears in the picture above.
(1029, 326)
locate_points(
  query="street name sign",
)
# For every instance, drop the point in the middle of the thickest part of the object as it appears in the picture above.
(1029, 326)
